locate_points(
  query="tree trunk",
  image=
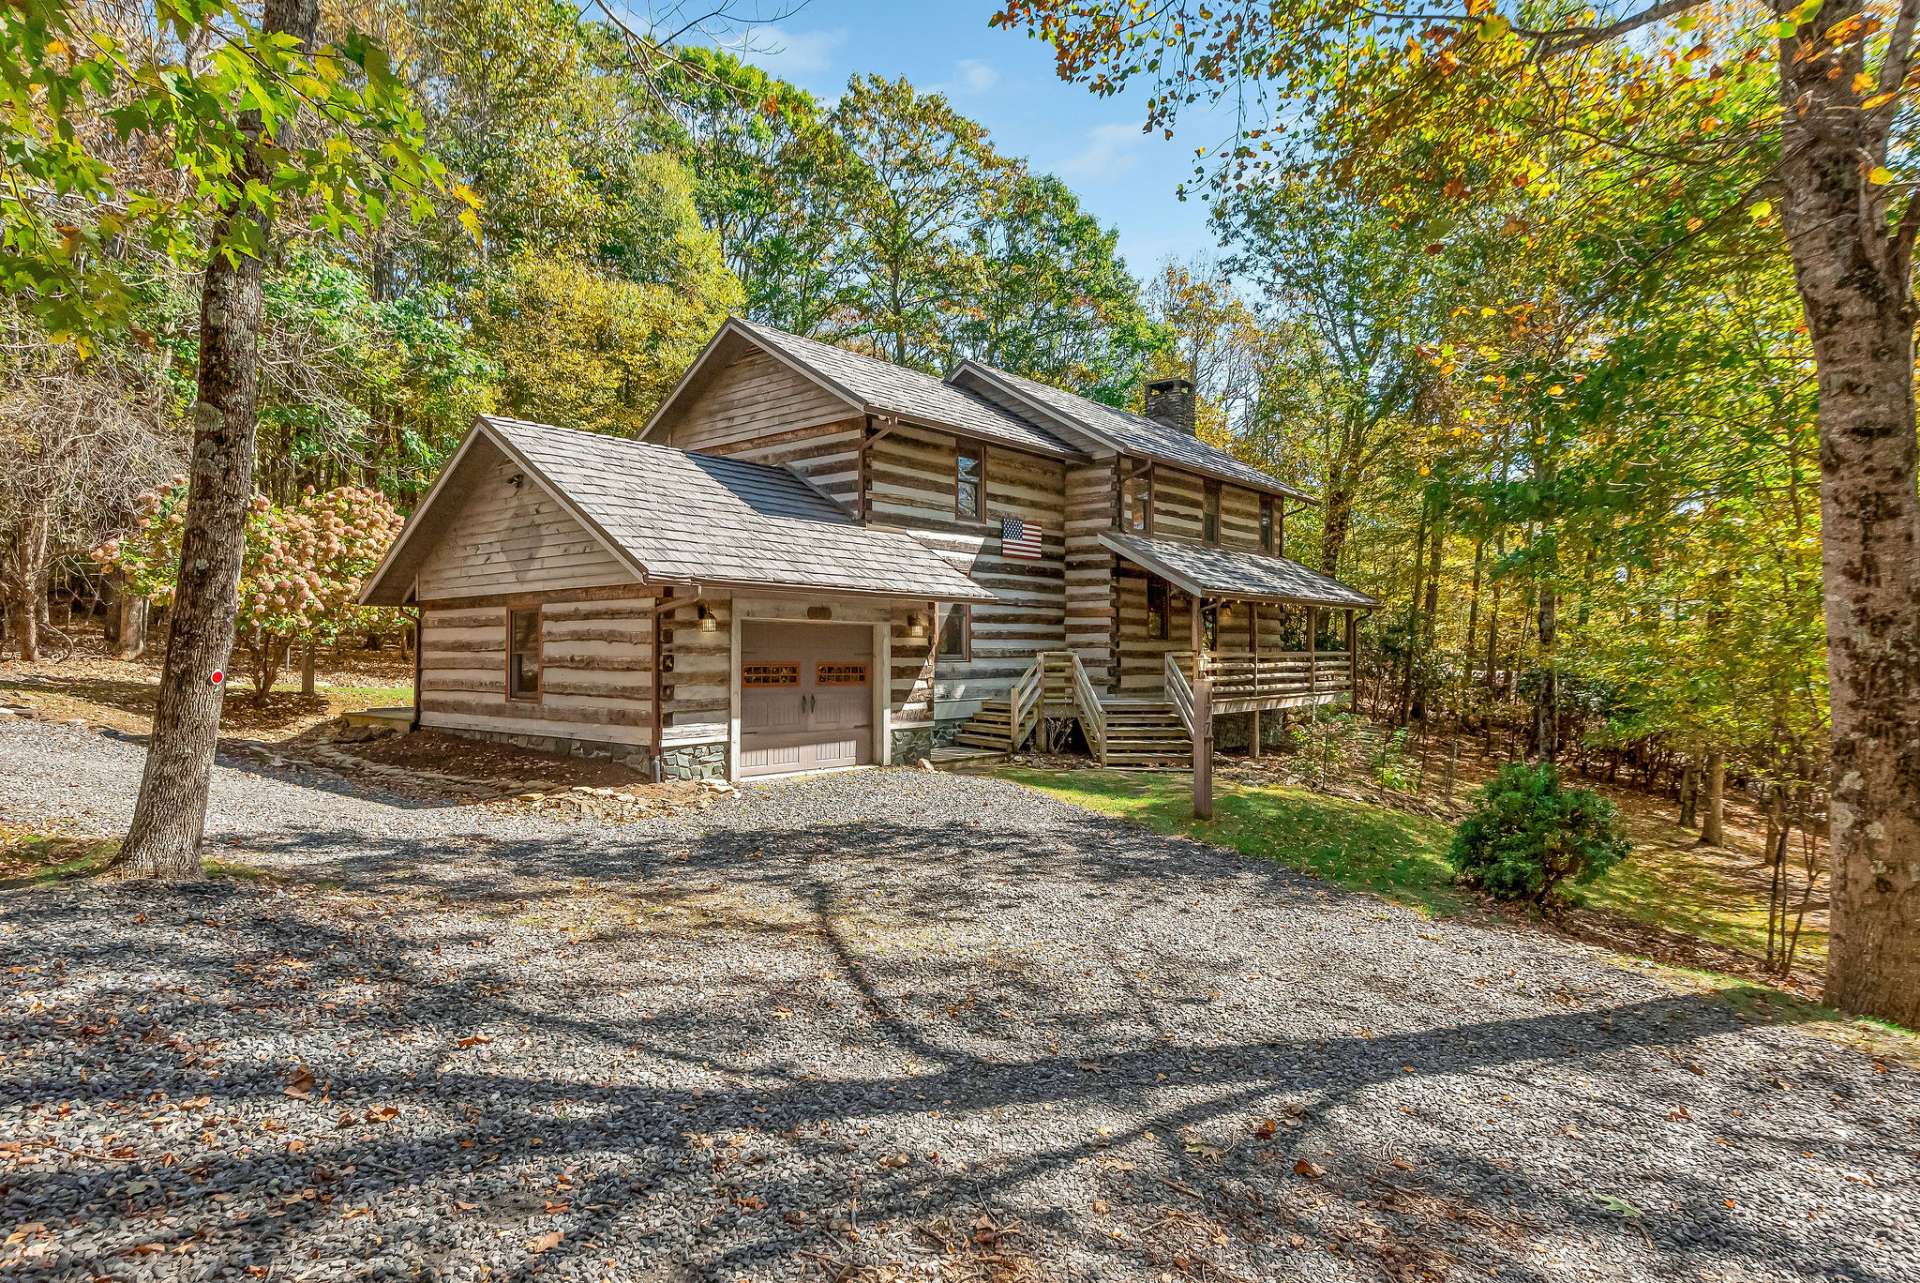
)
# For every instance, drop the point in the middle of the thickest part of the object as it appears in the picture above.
(130, 623)
(1336, 517)
(1854, 278)
(170, 817)
(306, 670)
(1546, 701)
(1712, 827)
(1689, 795)
(1435, 559)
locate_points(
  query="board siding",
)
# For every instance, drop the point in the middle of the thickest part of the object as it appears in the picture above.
(508, 538)
(755, 396)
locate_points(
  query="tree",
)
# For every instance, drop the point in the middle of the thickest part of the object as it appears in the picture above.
(221, 99)
(81, 439)
(1482, 89)
(299, 577)
(922, 171)
(1352, 286)
(1054, 300)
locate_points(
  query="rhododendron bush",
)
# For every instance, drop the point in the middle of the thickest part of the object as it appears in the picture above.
(304, 564)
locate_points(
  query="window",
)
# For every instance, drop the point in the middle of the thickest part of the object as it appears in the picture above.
(1136, 506)
(1266, 523)
(523, 654)
(1210, 514)
(1157, 626)
(956, 633)
(967, 472)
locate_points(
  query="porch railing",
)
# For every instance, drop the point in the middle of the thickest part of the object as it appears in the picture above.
(1243, 681)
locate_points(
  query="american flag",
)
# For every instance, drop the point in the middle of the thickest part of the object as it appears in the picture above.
(1019, 538)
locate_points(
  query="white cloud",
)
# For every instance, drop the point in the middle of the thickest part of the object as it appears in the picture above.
(793, 54)
(970, 76)
(1110, 150)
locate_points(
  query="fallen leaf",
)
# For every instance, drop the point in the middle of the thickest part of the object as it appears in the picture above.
(544, 1242)
(472, 1040)
(302, 1085)
(1309, 1169)
(1266, 1128)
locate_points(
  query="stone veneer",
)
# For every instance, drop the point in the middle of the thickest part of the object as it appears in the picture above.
(911, 743)
(693, 762)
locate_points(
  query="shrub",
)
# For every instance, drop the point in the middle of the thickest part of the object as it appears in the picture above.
(1528, 835)
(1391, 769)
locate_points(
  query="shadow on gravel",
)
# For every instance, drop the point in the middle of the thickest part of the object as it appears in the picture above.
(508, 1070)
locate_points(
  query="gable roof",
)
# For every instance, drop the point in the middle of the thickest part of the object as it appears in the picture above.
(870, 385)
(1207, 570)
(1124, 432)
(677, 517)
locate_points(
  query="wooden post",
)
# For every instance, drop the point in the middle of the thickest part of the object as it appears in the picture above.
(1313, 657)
(1203, 749)
(1353, 660)
(1253, 647)
(1202, 718)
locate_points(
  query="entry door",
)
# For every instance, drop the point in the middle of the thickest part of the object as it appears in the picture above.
(806, 696)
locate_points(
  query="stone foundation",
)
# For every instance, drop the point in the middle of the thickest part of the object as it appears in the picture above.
(911, 743)
(562, 745)
(694, 762)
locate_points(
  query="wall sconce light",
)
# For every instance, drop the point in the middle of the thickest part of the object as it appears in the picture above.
(707, 622)
(917, 624)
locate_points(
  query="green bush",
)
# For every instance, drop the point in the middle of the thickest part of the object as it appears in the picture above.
(1528, 835)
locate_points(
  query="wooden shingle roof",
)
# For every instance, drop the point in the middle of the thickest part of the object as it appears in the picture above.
(888, 389)
(678, 517)
(1124, 432)
(1207, 570)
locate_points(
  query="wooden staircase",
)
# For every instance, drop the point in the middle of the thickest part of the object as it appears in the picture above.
(990, 728)
(1128, 734)
(1146, 735)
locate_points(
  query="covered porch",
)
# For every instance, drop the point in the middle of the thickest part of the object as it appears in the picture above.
(1264, 635)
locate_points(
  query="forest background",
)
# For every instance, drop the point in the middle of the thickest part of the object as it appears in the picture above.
(1563, 429)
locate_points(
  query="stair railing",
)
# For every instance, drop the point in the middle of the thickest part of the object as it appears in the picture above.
(1023, 704)
(1093, 714)
(1179, 690)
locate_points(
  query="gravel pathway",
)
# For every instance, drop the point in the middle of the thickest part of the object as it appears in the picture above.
(876, 1026)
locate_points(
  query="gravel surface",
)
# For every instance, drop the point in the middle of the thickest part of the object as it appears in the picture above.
(875, 1026)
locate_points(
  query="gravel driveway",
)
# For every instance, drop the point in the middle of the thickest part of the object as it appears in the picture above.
(876, 1026)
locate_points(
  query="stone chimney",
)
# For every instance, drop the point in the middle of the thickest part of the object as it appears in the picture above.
(1170, 401)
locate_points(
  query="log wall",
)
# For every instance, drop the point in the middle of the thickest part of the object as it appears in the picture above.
(596, 670)
(910, 483)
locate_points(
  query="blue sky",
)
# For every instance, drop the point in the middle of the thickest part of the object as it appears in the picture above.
(1006, 82)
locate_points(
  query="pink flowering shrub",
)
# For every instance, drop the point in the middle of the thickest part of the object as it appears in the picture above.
(302, 566)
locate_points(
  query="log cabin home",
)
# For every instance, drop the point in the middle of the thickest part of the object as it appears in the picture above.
(812, 558)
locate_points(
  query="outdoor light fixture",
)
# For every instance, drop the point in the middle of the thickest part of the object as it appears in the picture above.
(707, 622)
(917, 624)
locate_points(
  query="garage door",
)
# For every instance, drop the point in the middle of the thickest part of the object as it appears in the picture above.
(806, 696)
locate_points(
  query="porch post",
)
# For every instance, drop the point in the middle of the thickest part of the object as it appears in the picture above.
(1253, 645)
(1353, 659)
(1202, 720)
(1313, 658)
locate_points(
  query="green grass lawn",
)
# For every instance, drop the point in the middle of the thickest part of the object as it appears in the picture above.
(30, 859)
(1682, 890)
(1368, 848)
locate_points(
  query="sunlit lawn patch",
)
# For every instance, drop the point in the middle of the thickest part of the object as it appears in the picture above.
(1370, 848)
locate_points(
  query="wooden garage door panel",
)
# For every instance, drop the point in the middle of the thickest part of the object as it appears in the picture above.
(806, 696)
